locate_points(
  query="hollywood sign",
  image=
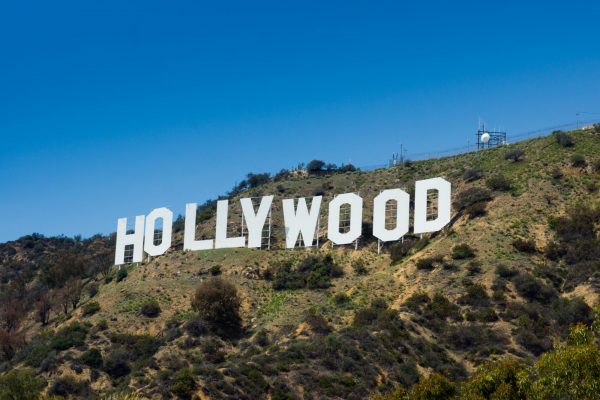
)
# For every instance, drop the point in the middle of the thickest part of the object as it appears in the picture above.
(298, 218)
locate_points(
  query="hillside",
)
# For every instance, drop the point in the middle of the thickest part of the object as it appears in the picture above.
(518, 265)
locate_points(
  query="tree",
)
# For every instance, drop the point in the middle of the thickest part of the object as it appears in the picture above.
(569, 372)
(74, 288)
(43, 306)
(315, 166)
(102, 263)
(216, 300)
(434, 387)
(57, 272)
(62, 298)
(11, 337)
(21, 385)
(496, 380)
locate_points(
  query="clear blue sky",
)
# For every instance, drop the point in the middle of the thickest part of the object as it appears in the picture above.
(109, 110)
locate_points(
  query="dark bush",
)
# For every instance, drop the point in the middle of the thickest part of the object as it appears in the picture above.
(215, 270)
(514, 155)
(317, 322)
(68, 386)
(476, 210)
(92, 358)
(69, 336)
(578, 161)
(524, 245)
(473, 268)
(116, 363)
(416, 300)
(532, 288)
(341, 299)
(563, 138)
(121, 274)
(427, 263)
(217, 301)
(476, 295)
(462, 251)
(499, 183)
(505, 272)
(568, 312)
(596, 166)
(150, 308)
(92, 289)
(471, 196)
(138, 347)
(313, 272)
(472, 174)
(91, 308)
(183, 384)
(400, 249)
(197, 327)
(359, 267)
(556, 173)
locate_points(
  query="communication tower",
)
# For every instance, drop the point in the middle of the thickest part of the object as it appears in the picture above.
(487, 139)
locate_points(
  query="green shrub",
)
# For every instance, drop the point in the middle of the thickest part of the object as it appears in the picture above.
(476, 295)
(471, 196)
(341, 299)
(434, 387)
(313, 272)
(426, 263)
(121, 274)
(102, 325)
(499, 182)
(217, 301)
(514, 155)
(317, 322)
(472, 174)
(505, 272)
(495, 380)
(525, 246)
(91, 308)
(116, 363)
(69, 336)
(578, 161)
(69, 387)
(359, 267)
(563, 138)
(215, 270)
(532, 288)
(92, 358)
(21, 385)
(476, 210)
(462, 251)
(183, 384)
(150, 308)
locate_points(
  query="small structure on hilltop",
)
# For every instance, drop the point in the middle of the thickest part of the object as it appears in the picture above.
(487, 139)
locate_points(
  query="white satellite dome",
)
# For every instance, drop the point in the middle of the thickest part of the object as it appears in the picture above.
(485, 138)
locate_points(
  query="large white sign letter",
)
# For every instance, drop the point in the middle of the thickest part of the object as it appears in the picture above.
(402, 200)
(333, 229)
(300, 220)
(167, 230)
(443, 188)
(136, 239)
(189, 236)
(256, 221)
(221, 239)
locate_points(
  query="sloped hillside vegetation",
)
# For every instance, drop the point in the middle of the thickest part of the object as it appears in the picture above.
(498, 305)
